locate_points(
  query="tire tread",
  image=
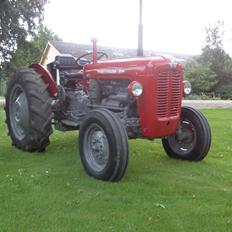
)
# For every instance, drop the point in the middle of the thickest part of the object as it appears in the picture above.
(39, 103)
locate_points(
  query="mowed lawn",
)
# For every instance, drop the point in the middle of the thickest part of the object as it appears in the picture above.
(51, 192)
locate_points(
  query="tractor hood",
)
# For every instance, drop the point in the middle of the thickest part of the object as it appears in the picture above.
(133, 66)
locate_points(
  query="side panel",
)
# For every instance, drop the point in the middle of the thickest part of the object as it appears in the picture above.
(47, 78)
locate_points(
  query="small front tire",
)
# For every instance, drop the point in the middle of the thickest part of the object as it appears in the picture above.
(103, 145)
(192, 139)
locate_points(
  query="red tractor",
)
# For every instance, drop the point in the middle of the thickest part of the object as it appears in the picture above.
(108, 101)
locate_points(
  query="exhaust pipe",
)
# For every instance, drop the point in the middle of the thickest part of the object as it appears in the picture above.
(140, 31)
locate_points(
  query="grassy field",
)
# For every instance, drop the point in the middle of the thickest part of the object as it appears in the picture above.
(51, 192)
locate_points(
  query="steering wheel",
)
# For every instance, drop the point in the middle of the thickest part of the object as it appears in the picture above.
(88, 57)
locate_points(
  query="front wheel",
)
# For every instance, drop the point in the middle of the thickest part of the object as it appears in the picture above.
(103, 145)
(192, 139)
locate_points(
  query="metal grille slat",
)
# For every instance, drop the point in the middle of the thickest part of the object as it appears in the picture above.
(168, 93)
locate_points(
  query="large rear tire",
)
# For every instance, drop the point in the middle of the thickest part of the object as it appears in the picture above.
(28, 110)
(103, 145)
(192, 139)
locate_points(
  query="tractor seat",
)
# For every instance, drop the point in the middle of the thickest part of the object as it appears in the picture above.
(66, 62)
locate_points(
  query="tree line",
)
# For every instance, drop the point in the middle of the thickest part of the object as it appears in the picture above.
(211, 72)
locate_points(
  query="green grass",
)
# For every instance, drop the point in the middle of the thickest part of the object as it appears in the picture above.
(51, 192)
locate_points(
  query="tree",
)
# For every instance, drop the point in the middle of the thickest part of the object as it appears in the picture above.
(202, 78)
(214, 54)
(18, 19)
(212, 70)
(214, 36)
(27, 52)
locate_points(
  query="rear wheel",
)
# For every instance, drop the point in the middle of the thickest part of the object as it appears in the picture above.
(28, 111)
(192, 139)
(103, 145)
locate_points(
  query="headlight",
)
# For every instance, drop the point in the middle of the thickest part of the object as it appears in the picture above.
(135, 88)
(187, 87)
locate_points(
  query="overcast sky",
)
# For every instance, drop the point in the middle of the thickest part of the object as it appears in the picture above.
(169, 26)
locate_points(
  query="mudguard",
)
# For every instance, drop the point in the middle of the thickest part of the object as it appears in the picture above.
(47, 77)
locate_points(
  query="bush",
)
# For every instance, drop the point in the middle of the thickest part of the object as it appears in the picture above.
(226, 92)
(202, 97)
(3, 83)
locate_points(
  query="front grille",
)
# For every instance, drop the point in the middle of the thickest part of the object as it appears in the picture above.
(168, 93)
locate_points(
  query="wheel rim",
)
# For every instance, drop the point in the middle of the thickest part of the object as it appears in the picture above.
(184, 141)
(96, 147)
(19, 112)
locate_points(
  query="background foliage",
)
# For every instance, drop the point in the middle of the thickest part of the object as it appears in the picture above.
(18, 49)
(211, 72)
(28, 52)
(18, 19)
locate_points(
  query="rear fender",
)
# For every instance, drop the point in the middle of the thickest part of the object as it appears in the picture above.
(47, 77)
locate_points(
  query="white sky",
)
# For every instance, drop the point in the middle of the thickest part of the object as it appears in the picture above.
(169, 25)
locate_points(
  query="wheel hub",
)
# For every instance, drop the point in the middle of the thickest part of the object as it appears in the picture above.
(97, 147)
(185, 138)
(19, 112)
(184, 134)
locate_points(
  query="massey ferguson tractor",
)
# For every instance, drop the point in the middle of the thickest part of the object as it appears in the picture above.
(109, 102)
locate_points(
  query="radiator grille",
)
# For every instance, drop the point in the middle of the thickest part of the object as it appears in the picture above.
(168, 93)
